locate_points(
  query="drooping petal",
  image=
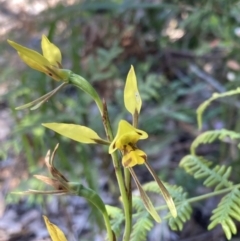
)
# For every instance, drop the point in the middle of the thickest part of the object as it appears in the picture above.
(146, 200)
(55, 232)
(78, 133)
(132, 98)
(51, 52)
(126, 134)
(163, 190)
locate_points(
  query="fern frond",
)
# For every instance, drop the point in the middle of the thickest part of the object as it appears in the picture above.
(199, 168)
(138, 204)
(184, 209)
(143, 225)
(206, 103)
(117, 217)
(227, 210)
(210, 136)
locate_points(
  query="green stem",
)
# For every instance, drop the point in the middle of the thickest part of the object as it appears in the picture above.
(204, 196)
(119, 176)
(128, 184)
(212, 194)
(127, 176)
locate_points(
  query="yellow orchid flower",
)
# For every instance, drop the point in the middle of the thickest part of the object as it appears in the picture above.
(125, 140)
(55, 232)
(48, 63)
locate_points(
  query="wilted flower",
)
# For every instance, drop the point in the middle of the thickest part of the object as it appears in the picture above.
(57, 181)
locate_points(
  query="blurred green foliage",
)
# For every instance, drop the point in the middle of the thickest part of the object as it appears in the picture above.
(182, 51)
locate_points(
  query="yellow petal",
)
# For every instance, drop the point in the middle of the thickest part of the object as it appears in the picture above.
(51, 52)
(136, 157)
(78, 133)
(126, 134)
(132, 98)
(30, 54)
(55, 232)
(31, 63)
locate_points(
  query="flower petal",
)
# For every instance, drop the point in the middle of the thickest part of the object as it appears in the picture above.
(132, 98)
(55, 232)
(146, 200)
(136, 157)
(78, 133)
(51, 52)
(163, 190)
(126, 134)
(30, 54)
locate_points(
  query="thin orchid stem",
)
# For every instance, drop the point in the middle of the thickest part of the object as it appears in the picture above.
(119, 175)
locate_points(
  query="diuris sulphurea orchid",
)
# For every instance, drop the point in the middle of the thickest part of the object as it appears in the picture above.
(125, 140)
(49, 62)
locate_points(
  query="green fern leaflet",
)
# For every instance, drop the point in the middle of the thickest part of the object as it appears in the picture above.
(183, 207)
(199, 168)
(144, 223)
(227, 210)
(210, 136)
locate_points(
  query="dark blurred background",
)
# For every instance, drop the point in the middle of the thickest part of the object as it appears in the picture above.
(182, 51)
